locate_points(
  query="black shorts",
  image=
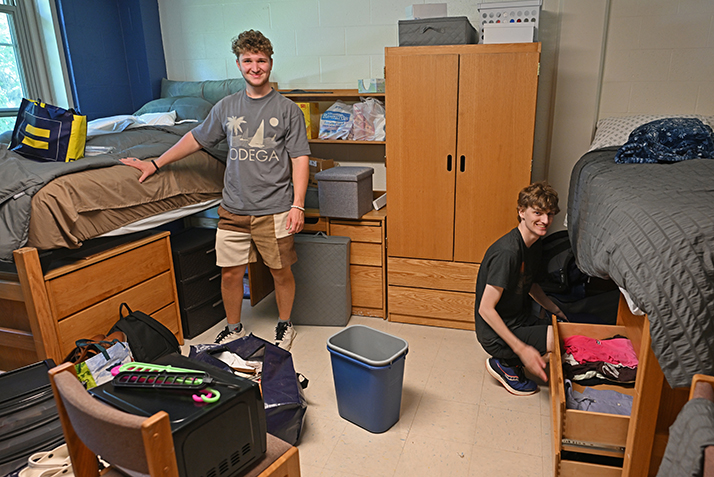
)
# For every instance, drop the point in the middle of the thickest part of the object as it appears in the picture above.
(534, 333)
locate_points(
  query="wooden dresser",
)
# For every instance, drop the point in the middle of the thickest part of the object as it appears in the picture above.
(81, 299)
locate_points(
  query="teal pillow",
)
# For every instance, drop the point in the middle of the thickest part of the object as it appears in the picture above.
(186, 107)
(171, 88)
(210, 90)
(215, 90)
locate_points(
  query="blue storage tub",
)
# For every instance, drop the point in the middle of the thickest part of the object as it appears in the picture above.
(368, 370)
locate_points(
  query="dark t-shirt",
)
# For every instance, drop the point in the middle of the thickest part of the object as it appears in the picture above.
(510, 265)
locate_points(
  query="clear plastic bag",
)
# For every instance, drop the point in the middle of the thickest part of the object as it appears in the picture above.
(368, 120)
(336, 121)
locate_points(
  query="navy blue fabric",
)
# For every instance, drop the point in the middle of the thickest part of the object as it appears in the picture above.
(285, 404)
(667, 140)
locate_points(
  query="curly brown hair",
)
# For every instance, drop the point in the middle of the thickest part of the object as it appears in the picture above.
(251, 41)
(539, 195)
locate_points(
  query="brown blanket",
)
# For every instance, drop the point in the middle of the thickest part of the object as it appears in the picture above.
(79, 206)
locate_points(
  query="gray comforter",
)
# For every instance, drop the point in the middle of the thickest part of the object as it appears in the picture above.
(650, 228)
(21, 178)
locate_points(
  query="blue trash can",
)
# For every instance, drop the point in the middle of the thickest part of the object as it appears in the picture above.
(368, 370)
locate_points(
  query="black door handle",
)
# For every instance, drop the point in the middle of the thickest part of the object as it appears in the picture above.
(448, 163)
(463, 164)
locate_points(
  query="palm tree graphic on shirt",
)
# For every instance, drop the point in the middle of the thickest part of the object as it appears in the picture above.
(235, 124)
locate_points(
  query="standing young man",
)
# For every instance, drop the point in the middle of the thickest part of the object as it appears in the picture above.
(261, 209)
(505, 324)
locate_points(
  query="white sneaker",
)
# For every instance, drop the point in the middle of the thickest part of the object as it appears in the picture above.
(227, 335)
(284, 334)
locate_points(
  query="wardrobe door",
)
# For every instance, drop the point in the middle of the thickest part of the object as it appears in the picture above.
(421, 129)
(497, 101)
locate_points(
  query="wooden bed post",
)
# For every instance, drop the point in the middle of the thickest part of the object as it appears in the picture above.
(37, 304)
(645, 406)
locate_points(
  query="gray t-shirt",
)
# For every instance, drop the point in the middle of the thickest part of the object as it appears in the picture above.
(263, 134)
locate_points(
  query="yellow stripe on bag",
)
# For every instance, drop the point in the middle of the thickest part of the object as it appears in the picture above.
(39, 132)
(77, 138)
(35, 144)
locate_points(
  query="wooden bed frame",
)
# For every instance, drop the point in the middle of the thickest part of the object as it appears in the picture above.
(42, 314)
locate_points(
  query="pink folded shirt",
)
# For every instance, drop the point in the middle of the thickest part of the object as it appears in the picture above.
(613, 350)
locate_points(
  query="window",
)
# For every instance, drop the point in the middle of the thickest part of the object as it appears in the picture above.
(12, 83)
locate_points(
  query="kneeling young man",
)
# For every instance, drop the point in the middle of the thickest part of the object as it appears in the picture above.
(506, 326)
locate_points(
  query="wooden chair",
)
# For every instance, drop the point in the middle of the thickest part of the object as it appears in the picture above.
(703, 387)
(93, 428)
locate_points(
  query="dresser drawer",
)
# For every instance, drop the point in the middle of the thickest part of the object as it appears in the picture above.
(367, 286)
(315, 224)
(196, 290)
(358, 233)
(149, 297)
(199, 318)
(581, 433)
(194, 252)
(366, 254)
(69, 293)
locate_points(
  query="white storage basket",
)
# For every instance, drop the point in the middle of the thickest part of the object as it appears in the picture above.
(517, 11)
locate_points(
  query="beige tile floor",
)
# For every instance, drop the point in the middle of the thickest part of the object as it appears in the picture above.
(456, 420)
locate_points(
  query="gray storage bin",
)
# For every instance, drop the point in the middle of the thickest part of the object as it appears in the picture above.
(322, 280)
(345, 192)
(437, 31)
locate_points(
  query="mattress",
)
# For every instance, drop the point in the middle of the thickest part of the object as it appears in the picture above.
(650, 228)
(111, 201)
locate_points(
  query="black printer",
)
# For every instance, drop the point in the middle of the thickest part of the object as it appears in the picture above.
(211, 439)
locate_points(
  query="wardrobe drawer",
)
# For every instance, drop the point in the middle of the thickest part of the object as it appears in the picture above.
(431, 307)
(434, 274)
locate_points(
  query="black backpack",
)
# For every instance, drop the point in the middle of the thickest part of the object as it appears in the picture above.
(558, 271)
(148, 339)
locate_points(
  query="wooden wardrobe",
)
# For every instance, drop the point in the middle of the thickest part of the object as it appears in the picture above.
(460, 124)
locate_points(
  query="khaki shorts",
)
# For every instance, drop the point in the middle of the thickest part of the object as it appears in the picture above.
(240, 238)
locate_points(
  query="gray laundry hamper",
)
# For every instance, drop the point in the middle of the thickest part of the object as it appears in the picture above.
(322, 280)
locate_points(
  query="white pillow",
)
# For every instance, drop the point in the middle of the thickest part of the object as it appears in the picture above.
(616, 131)
(158, 119)
(115, 124)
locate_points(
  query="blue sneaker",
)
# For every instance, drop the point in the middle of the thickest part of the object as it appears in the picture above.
(513, 378)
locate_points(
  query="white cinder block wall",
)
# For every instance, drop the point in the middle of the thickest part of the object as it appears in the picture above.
(659, 58)
(318, 43)
(599, 58)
